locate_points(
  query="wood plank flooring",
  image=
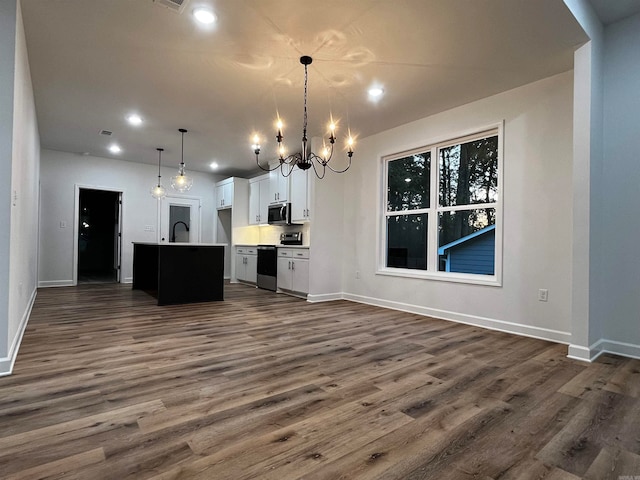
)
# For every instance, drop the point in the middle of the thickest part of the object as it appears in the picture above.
(107, 385)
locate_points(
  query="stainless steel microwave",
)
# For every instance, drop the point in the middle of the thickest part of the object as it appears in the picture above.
(279, 214)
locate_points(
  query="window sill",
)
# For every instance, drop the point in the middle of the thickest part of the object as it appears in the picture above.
(487, 280)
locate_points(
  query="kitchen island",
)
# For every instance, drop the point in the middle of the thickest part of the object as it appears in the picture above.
(179, 272)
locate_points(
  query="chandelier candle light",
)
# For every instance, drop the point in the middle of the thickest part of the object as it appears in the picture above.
(158, 191)
(306, 158)
(181, 182)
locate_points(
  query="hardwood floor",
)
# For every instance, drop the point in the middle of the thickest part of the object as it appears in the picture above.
(108, 385)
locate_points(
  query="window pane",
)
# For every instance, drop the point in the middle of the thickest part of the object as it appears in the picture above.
(407, 241)
(408, 182)
(468, 173)
(467, 241)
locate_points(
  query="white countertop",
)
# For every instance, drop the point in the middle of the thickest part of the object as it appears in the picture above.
(278, 246)
(178, 244)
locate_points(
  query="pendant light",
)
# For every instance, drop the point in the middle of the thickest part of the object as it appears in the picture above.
(158, 191)
(181, 182)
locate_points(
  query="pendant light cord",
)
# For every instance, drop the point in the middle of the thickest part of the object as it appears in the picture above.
(160, 150)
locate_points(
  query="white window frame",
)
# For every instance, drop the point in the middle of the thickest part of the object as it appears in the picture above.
(432, 212)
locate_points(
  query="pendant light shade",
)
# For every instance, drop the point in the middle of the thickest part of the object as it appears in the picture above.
(181, 182)
(158, 191)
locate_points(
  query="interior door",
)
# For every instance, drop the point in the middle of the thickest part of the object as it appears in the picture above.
(180, 220)
(117, 257)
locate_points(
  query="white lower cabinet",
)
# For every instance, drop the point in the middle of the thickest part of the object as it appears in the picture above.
(247, 264)
(293, 270)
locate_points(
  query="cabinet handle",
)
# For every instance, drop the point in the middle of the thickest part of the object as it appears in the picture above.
(293, 265)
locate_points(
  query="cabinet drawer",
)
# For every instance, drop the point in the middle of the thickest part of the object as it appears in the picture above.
(293, 252)
(301, 253)
(246, 250)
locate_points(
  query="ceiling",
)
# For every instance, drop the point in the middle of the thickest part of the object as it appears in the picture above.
(611, 11)
(92, 63)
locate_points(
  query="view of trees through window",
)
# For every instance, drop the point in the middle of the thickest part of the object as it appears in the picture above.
(463, 207)
(408, 189)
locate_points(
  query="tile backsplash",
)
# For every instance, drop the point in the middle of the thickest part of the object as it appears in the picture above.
(268, 234)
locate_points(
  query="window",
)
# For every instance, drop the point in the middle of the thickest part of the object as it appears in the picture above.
(442, 209)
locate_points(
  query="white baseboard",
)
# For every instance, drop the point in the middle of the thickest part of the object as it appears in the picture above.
(128, 280)
(584, 354)
(603, 345)
(490, 323)
(325, 297)
(55, 283)
(6, 363)
(619, 348)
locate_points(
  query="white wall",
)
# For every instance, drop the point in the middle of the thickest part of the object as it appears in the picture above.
(7, 63)
(329, 245)
(620, 180)
(537, 215)
(61, 171)
(21, 232)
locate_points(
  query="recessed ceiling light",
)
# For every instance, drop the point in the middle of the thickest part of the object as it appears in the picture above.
(375, 92)
(114, 148)
(213, 165)
(204, 15)
(134, 119)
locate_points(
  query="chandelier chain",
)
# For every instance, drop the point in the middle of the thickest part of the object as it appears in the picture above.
(304, 123)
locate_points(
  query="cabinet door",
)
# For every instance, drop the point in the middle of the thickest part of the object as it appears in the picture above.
(228, 195)
(220, 196)
(254, 203)
(263, 214)
(284, 273)
(279, 187)
(251, 268)
(300, 282)
(299, 194)
(240, 268)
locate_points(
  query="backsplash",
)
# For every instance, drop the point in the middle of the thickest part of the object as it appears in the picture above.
(268, 234)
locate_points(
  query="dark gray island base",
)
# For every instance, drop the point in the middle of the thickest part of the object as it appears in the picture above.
(179, 273)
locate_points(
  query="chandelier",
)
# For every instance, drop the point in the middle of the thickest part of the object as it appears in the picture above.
(181, 182)
(305, 159)
(158, 191)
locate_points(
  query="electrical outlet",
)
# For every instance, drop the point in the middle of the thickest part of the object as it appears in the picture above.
(543, 294)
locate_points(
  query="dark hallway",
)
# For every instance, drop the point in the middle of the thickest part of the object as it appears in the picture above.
(98, 238)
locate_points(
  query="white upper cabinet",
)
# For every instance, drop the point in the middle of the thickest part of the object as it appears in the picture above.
(300, 198)
(259, 197)
(279, 187)
(224, 193)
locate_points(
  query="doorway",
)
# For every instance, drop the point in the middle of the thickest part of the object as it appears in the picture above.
(98, 236)
(180, 220)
